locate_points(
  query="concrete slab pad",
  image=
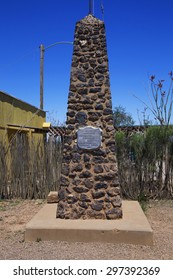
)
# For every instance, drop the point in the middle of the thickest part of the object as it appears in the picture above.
(133, 228)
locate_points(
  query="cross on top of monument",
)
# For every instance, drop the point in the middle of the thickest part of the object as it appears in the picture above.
(91, 6)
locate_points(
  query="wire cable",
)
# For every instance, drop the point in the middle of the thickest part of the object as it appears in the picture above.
(102, 9)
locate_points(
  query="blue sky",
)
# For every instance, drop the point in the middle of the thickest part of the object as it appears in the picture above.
(139, 41)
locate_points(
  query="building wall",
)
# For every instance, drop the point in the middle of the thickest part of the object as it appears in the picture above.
(15, 111)
(21, 128)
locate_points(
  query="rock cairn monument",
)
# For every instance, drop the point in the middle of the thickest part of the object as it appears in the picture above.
(89, 187)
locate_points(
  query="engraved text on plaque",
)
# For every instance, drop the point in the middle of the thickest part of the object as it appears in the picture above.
(89, 137)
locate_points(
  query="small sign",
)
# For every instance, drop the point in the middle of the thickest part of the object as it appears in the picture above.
(89, 137)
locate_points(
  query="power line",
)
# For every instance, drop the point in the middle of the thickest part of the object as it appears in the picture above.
(20, 58)
(102, 9)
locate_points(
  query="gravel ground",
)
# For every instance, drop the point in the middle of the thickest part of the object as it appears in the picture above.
(14, 215)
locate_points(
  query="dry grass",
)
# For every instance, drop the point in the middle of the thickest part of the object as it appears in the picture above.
(14, 215)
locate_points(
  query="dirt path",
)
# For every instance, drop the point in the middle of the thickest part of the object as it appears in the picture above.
(15, 214)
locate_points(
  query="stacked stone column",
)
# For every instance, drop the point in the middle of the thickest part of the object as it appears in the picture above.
(89, 182)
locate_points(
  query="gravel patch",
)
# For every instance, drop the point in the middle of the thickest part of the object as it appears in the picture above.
(14, 214)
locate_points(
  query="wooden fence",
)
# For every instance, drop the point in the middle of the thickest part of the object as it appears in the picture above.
(28, 169)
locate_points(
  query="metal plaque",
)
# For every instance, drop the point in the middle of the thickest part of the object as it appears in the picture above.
(89, 137)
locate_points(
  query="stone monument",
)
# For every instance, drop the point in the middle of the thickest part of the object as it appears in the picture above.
(89, 187)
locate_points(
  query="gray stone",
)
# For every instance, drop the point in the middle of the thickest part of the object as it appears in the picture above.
(83, 91)
(86, 158)
(86, 66)
(93, 116)
(98, 169)
(68, 140)
(69, 129)
(91, 83)
(83, 59)
(81, 117)
(65, 169)
(110, 176)
(62, 194)
(102, 69)
(84, 197)
(116, 202)
(91, 73)
(77, 168)
(72, 87)
(113, 191)
(83, 204)
(82, 78)
(76, 157)
(110, 142)
(99, 160)
(101, 94)
(71, 121)
(86, 100)
(97, 195)
(109, 104)
(107, 111)
(99, 107)
(106, 168)
(64, 181)
(71, 114)
(107, 82)
(88, 107)
(100, 185)
(88, 183)
(109, 128)
(71, 199)
(92, 214)
(67, 148)
(99, 152)
(98, 84)
(72, 175)
(88, 166)
(71, 94)
(114, 213)
(85, 174)
(80, 189)
(100, 61)
(112, 148)
(76, 182)
(81, 85)
(95, 90)
(97, 206)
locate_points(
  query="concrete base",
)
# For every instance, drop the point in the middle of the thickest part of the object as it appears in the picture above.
(133, 228)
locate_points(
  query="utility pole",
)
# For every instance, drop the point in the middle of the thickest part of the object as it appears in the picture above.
(41, 75)
(42, 50)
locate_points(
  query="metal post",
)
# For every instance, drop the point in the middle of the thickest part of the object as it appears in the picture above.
(41, 75)
(42, 50)
(91, 7)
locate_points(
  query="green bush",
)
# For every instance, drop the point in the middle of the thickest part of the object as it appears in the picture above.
(145, 163)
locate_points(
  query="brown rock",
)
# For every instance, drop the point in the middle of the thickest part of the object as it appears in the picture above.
(52, 197)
